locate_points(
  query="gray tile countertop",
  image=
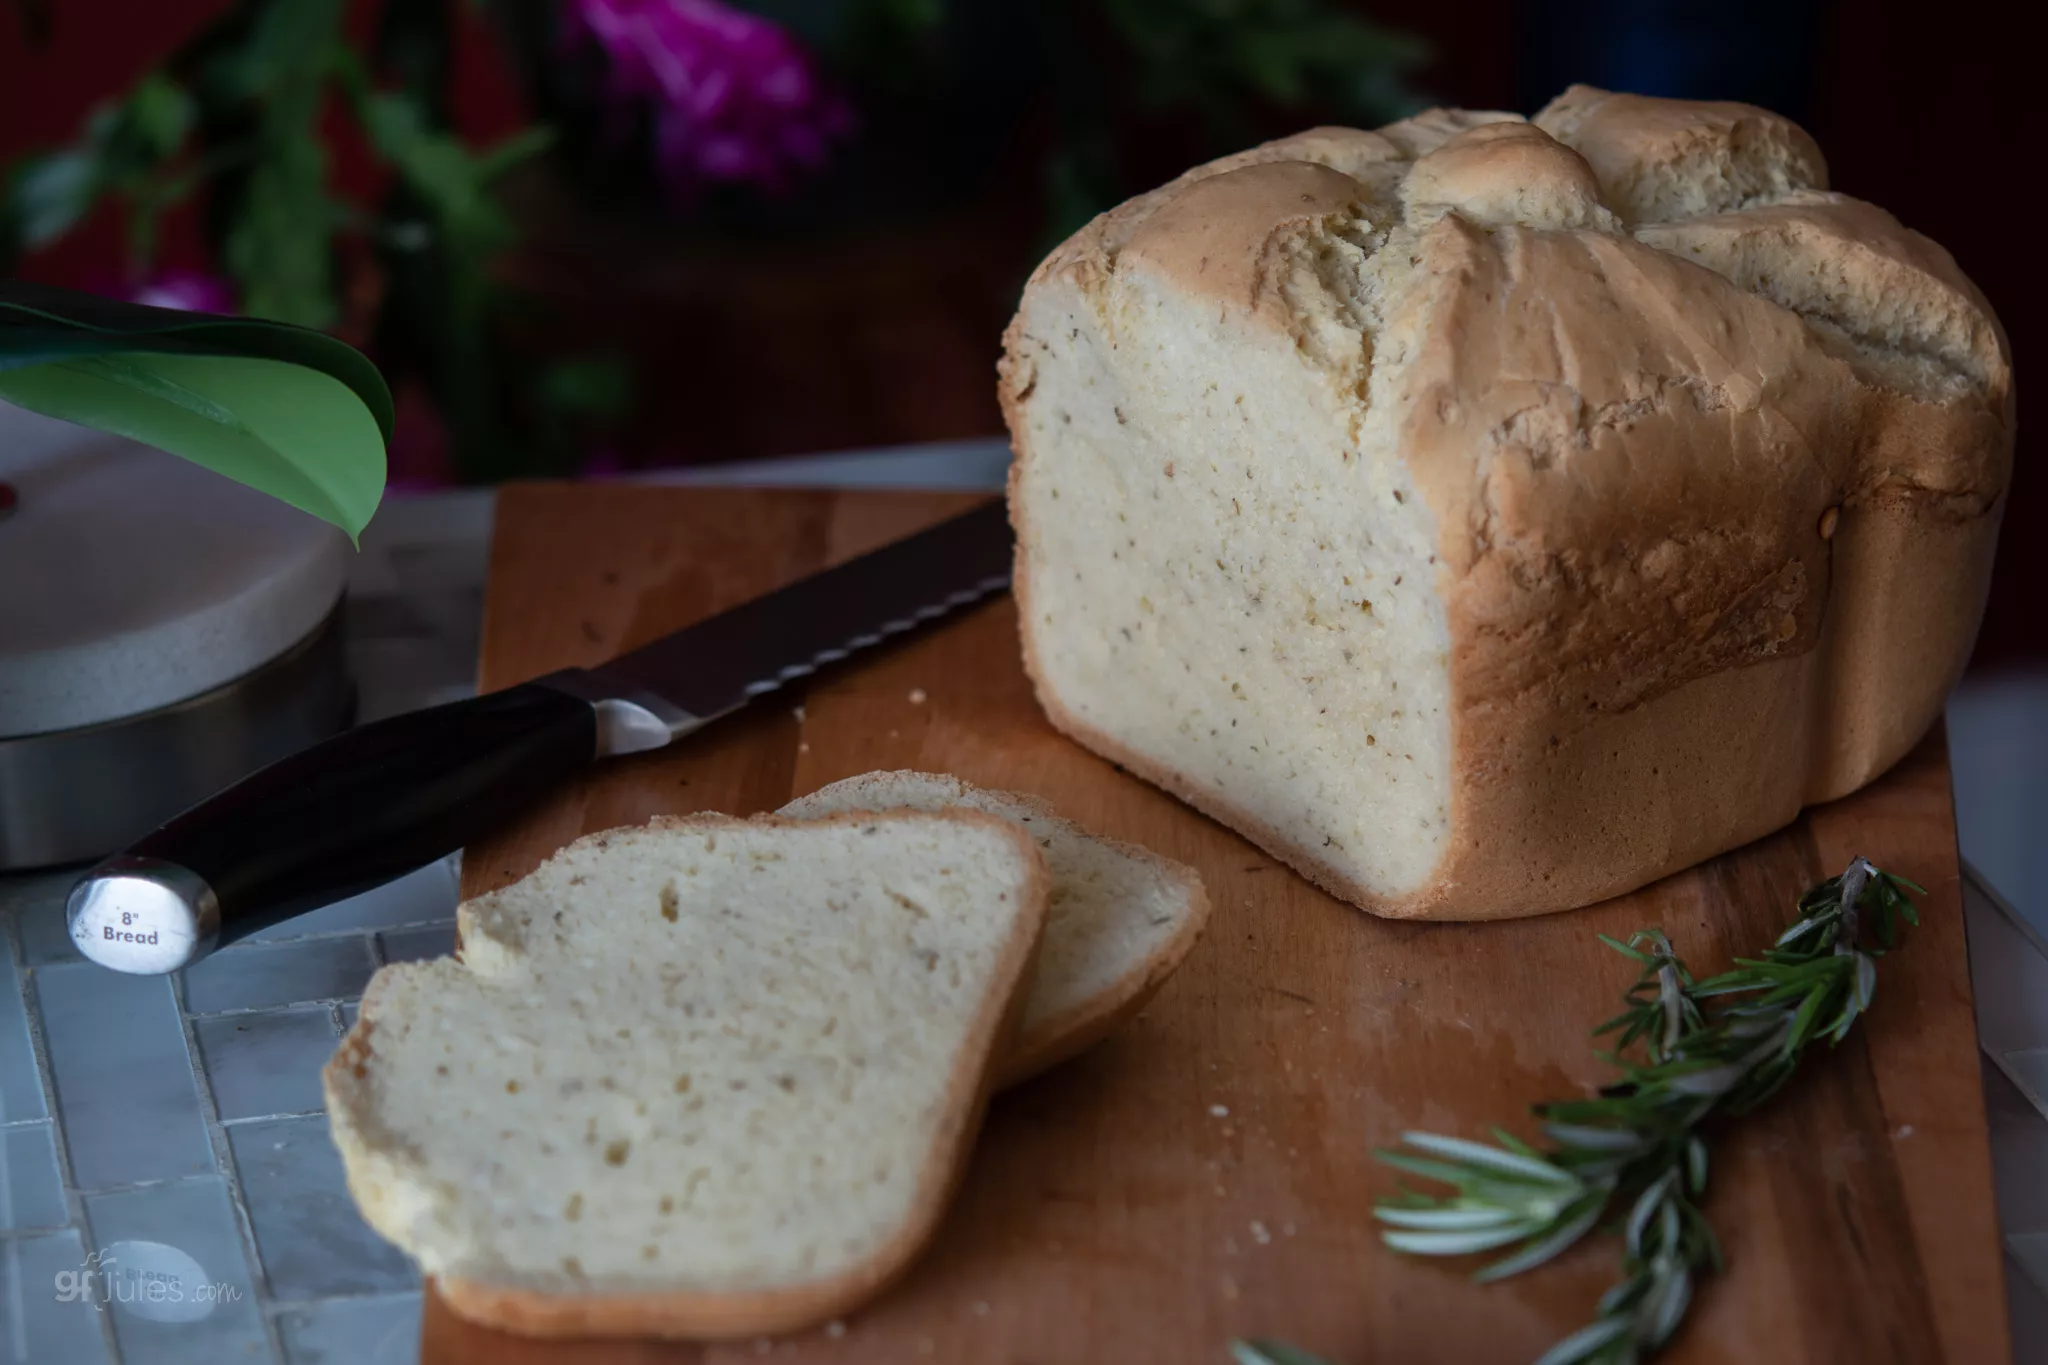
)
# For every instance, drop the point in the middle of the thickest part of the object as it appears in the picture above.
(168, 1192)
(188, 1149)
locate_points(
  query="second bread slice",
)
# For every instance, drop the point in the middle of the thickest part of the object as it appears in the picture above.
(709, 1077)
(1122, 917)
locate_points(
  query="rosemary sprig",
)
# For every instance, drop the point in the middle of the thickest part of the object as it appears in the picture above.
(1709, 1048)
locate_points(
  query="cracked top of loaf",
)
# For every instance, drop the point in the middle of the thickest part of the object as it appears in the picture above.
(1607, 333)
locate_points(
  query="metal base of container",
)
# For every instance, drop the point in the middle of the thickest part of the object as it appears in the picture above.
(71, 795)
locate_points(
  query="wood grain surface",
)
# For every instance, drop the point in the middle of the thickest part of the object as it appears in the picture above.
(1206, 1173)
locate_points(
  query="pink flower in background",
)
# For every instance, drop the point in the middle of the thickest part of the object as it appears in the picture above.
(192, 290)
(734, 96)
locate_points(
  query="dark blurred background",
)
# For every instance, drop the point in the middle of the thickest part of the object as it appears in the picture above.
(586, 236)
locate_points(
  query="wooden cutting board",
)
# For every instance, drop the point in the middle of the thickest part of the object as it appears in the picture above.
(1206, 1173)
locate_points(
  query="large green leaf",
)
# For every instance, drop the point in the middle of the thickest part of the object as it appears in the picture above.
(293, 412)
(296, 433)
(38, 322)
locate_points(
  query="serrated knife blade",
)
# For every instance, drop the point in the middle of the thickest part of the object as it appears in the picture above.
(709, 669)
(381, 800)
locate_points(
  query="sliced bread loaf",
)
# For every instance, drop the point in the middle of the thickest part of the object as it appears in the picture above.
(1121, 916)
(707, 1077)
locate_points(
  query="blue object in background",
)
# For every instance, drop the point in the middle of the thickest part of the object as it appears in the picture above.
(1757, 51)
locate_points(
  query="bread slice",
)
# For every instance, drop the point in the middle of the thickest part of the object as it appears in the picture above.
(708, 1077)
(1121, 916)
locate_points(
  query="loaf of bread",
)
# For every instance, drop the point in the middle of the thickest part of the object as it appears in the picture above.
(1120, 917)
(709, 1077)
(1491, 516)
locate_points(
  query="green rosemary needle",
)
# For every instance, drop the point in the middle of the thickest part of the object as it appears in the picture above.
(1709, 1048)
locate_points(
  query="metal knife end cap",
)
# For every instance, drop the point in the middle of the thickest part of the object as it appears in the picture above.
(143, 915)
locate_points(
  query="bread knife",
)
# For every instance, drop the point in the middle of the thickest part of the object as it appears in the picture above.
(377, 802)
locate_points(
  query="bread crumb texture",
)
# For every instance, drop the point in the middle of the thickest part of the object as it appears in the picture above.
(1440, 505)
(707, 1056)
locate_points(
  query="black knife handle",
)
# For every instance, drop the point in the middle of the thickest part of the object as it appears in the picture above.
(328, 822)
